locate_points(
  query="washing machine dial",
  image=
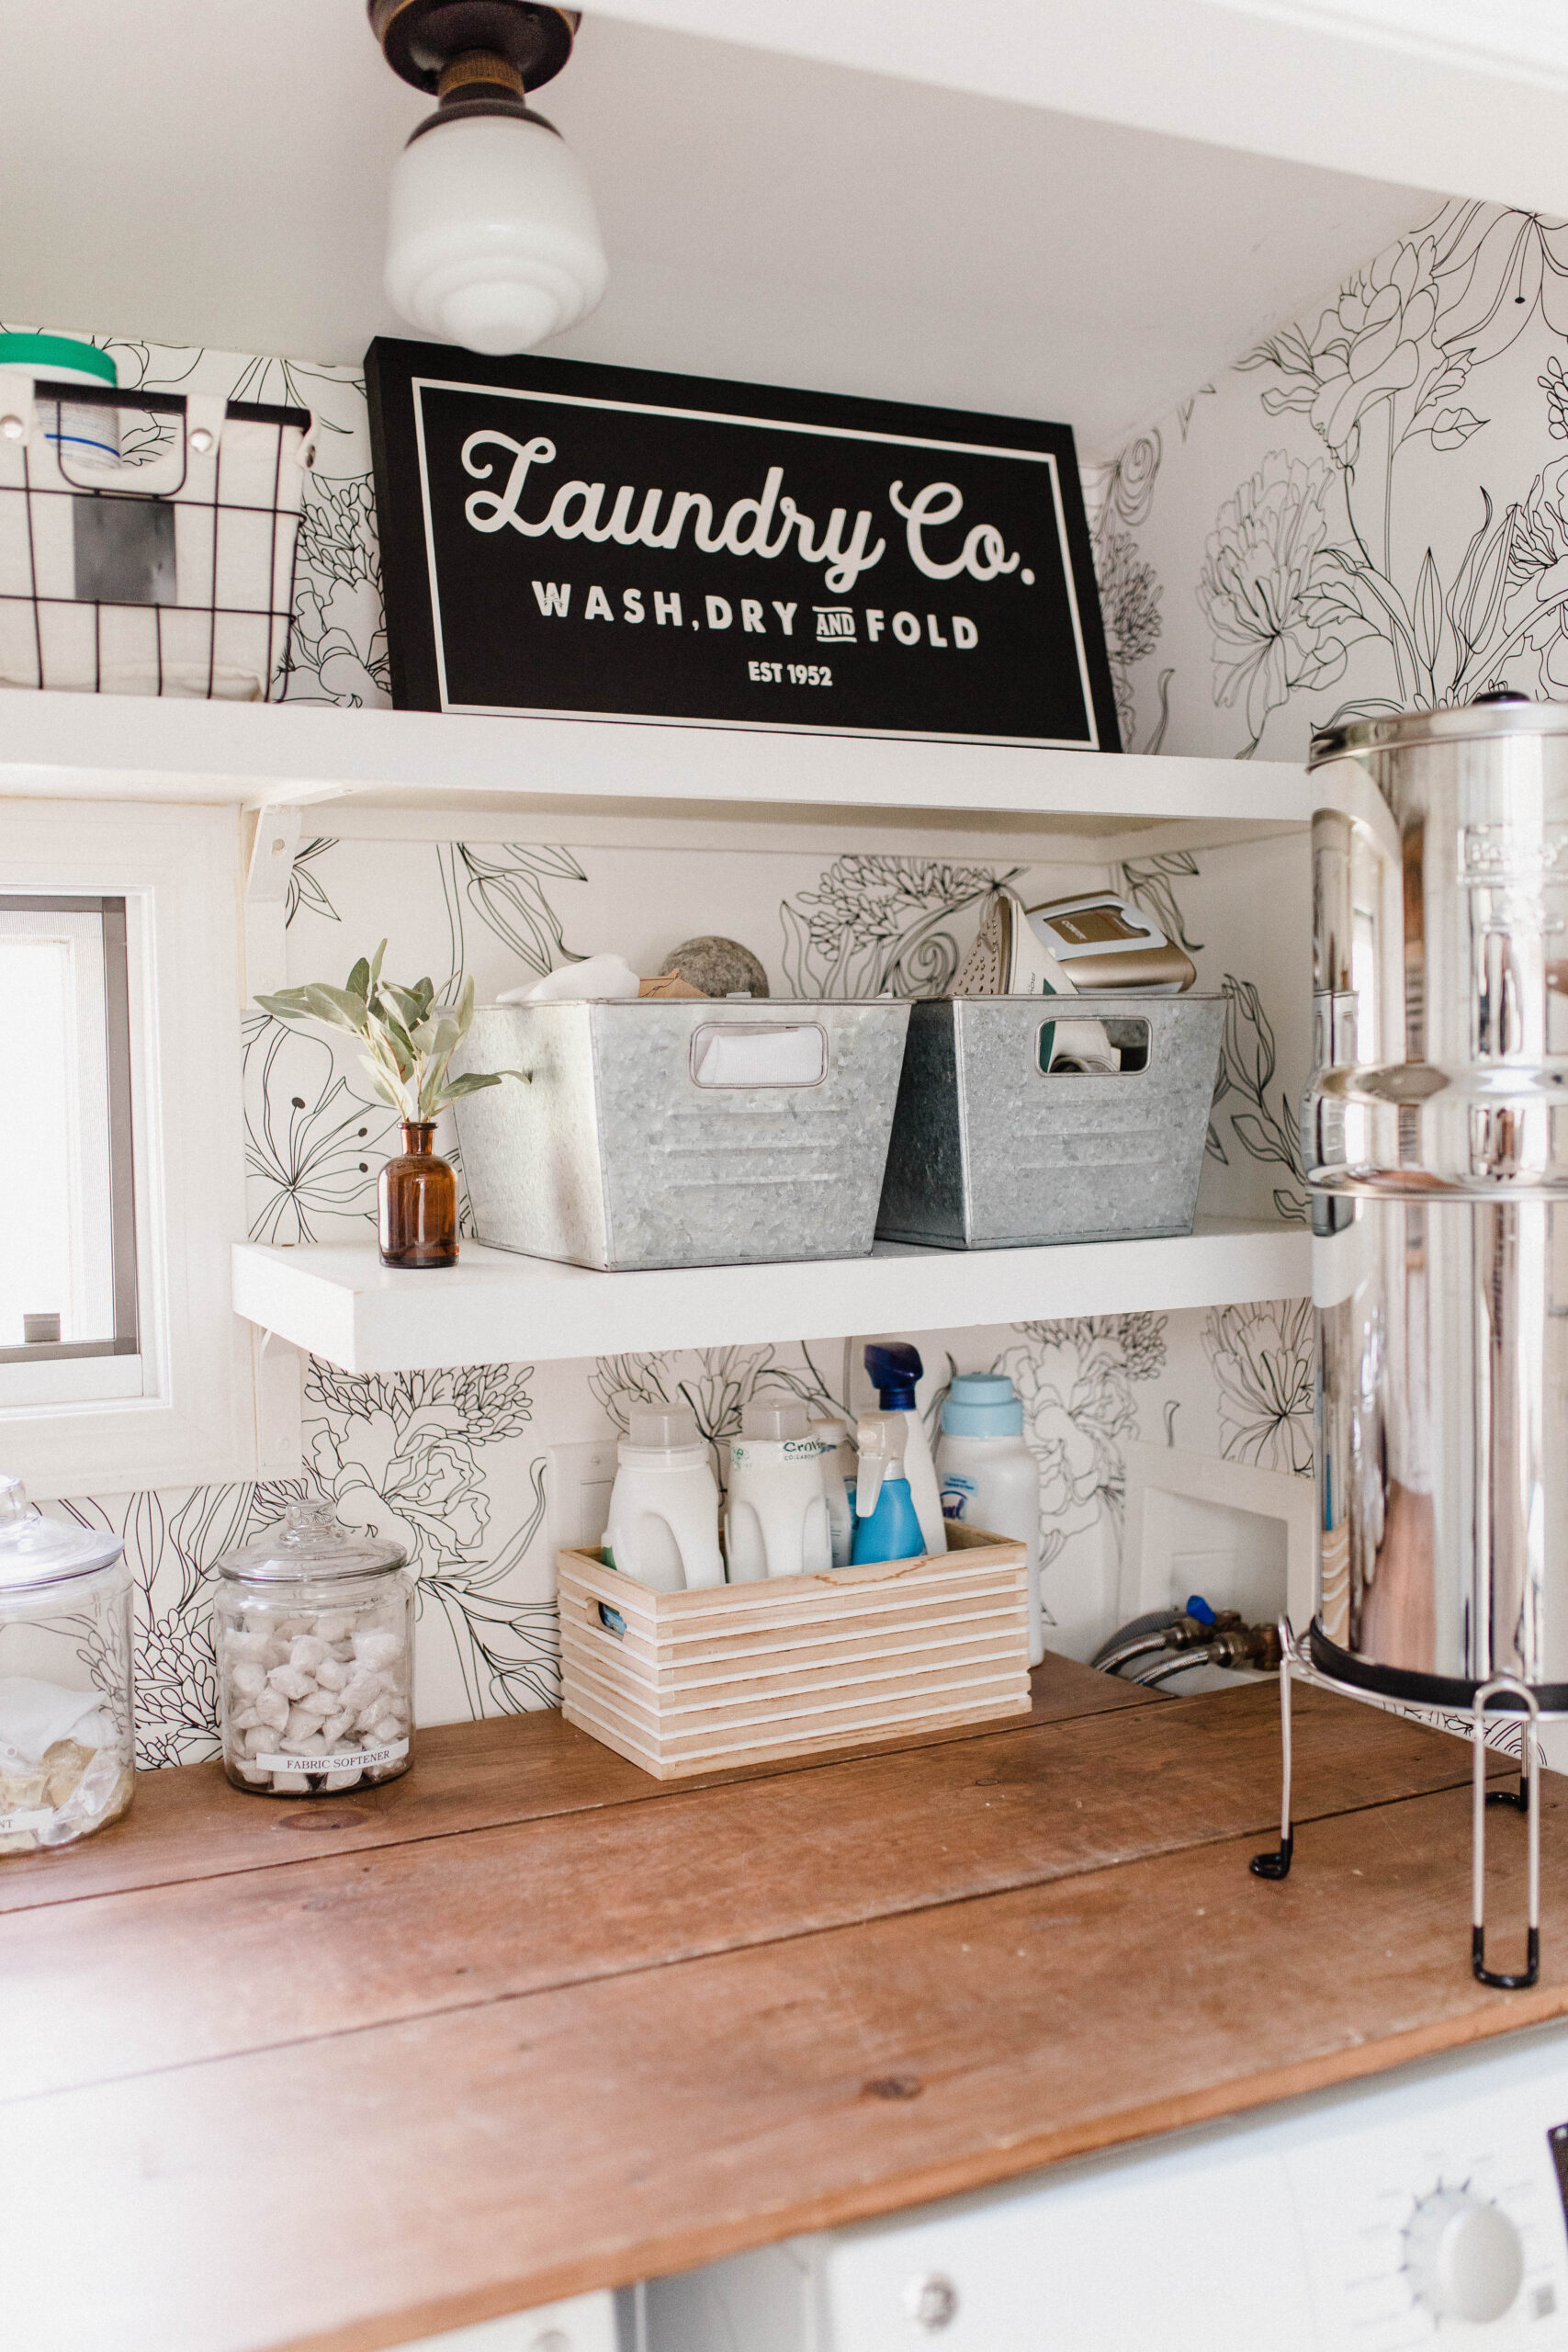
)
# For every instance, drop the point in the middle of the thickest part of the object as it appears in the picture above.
(1464, 2257)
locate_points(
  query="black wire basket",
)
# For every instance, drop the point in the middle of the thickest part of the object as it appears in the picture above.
(148, 540)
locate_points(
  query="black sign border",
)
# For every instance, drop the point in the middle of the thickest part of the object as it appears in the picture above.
(393, 367)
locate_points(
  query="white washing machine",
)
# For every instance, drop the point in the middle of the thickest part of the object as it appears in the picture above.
(1424, 2208)
(585, 2324)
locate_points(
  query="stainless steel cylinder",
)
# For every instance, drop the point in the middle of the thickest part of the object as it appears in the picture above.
(1436, 1145)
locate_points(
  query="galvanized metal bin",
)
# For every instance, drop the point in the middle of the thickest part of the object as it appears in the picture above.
(992, 1149)
(681, 1134)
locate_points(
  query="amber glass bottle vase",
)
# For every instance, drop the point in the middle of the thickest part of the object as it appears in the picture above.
(418, 1199)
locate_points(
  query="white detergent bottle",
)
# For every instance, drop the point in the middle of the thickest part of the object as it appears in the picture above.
(989, 1478)
(828, 1431)
(893, 1367)
(664, 1528)
(776, 1523)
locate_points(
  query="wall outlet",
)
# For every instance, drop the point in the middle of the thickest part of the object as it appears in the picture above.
(577, 1494)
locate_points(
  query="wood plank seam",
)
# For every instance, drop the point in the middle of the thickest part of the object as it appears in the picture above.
(58, 1868)
(1084, 1875)
(59, 1865)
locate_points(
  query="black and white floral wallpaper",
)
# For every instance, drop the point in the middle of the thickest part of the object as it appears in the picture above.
(1369, 511)
(438, 1461)
(1236, 573)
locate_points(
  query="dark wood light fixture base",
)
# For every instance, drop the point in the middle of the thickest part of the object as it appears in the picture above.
(452, 46)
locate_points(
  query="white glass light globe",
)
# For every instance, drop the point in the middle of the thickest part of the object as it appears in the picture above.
(493, 241)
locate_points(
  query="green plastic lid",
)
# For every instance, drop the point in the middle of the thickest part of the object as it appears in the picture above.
(58, 355)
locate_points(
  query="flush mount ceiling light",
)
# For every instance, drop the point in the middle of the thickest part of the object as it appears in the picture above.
(491, 238)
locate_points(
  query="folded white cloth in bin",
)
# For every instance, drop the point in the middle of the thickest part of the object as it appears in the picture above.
(792, 1056)
(34, 1715)
(598, 979)
(1084, 1042)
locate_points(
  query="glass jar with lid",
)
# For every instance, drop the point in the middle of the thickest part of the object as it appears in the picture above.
(67, 1714)
(313, 1630)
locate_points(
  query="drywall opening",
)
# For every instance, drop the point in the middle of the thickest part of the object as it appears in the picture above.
(1236, 1559)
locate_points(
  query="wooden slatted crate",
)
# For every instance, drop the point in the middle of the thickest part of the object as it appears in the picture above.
(736, 1674)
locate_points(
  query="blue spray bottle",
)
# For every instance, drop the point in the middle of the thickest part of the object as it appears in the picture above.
(893, 1367)
(886, 1527)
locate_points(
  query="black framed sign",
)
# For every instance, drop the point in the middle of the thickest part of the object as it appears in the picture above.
(562, 540)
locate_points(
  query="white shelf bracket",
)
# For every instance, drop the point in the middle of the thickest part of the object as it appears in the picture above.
(280, 1382)
(275, 841)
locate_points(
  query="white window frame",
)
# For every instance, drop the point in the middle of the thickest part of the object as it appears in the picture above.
(192, 1417)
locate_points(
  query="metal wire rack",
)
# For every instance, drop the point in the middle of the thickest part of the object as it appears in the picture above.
(1515, 1734)
(148, 540)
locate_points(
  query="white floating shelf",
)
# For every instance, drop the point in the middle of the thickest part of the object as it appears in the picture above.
(339, 1301)
(253, 754)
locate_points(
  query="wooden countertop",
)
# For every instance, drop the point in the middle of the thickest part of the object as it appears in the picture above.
(527, 2022)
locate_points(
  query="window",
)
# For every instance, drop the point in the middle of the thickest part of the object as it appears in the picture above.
(123, 1190)
(68, 1289)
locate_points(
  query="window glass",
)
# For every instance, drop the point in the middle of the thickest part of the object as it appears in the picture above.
(67, 1267)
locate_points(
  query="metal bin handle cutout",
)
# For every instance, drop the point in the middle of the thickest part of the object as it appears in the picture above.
(1116, 1049)
(753, 1055)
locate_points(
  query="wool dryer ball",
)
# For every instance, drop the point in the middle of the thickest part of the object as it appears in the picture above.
(717, 966)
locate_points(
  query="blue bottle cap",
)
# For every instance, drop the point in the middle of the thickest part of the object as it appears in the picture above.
(892, 1366)
(982, 1404)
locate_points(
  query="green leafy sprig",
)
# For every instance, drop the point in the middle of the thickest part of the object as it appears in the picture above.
(409, 1039)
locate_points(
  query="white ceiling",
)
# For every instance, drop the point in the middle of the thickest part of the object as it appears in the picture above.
(1531, 36)
(1460, 94)
(214, 174)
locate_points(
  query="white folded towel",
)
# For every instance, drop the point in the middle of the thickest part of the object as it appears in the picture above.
(34, 1715)
(1086, 1043)
(597, 980)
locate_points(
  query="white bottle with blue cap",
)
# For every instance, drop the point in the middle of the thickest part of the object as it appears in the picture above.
(989, 1478)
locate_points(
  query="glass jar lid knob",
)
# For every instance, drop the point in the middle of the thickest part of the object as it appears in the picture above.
(310, 1540)
(304, 1521)
(38, 1551)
